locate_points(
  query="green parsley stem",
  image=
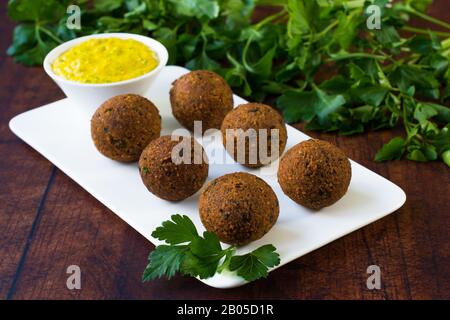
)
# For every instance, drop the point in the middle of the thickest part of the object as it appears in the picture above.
(38, 34)
(423, 31)
(338, 57)
(326, 30)
(270, 19)
(244, 54)
(49, 33)
(405, 118)
(427, 17)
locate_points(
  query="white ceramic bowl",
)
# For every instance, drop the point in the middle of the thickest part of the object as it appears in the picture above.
(87, 96)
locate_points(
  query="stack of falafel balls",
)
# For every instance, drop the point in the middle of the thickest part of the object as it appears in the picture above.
(238, 207)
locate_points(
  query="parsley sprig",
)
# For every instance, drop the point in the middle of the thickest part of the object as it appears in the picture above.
(188, 253)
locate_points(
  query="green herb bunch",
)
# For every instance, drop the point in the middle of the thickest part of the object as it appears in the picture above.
(188, 253)
(316, 58)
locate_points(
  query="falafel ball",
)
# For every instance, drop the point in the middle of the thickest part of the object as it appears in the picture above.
(173, 170)
(124, 125)
(260, 118)
(314, 173)
(238, 207)
(201, 95)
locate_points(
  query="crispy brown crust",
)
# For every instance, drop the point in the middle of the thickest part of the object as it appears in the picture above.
(314, 173)
(253, 116)
(238, 207)
(167, 180)
(201, 95)
(123, 126)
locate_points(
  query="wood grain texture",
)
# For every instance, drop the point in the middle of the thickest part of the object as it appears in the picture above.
(48, 222)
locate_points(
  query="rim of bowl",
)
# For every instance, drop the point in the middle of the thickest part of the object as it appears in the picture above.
(157, 47)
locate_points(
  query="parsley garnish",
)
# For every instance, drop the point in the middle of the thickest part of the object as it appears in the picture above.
(254, 265)
(188, 253)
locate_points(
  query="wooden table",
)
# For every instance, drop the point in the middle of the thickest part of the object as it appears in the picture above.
(48, 222)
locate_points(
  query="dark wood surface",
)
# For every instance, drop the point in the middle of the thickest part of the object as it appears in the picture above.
(48, 222)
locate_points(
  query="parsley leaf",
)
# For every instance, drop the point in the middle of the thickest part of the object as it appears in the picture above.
(442, 112)
(164, 261)
(198, 9)
(307, 105)
(204, 256)
(207, 246)
(446, 157)
(254, 265)
(371, 94)
(107, 5)
(423, 112)
(179, 230)
(32, 10)
(297, 106)
(202, 267)
(391, 150)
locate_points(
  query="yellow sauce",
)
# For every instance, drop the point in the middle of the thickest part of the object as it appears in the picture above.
(105, 60)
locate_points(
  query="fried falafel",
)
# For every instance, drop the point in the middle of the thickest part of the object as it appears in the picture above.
(124, 125)
(259, 129)
(314, 173)
(173, 169)
(201, 95)
(238, 207)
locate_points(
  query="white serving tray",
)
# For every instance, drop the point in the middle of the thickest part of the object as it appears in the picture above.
(61, 133)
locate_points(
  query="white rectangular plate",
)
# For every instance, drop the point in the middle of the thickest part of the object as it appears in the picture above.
(61, 133)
